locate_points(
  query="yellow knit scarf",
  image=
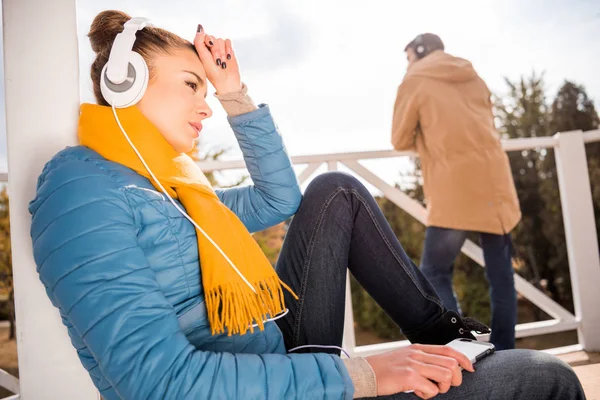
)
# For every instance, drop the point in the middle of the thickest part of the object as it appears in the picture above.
(231, 304)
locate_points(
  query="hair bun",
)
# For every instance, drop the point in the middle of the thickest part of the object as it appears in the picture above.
(105, 28)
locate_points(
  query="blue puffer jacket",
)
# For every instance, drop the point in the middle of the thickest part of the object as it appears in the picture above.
(121, 265)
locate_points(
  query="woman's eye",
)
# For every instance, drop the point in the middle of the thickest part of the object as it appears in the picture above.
(193, 85)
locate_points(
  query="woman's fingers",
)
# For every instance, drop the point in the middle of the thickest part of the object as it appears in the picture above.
(209, 41)
(440, 375)
(220, 50)
(228, 49)
(424, 388)
(217, 48)
(446, 363)
(200, 43)
(446, 351)
(222, 53)
(219, 61)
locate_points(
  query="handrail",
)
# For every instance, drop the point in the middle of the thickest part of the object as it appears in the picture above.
(591, 136)
(518, 144)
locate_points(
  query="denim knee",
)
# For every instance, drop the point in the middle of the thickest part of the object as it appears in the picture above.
(328, 182)
(562, 380)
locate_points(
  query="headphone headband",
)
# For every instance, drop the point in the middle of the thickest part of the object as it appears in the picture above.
(117, 64)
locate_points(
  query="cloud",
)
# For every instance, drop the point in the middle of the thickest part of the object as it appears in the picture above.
(267, 35)
(286, 42)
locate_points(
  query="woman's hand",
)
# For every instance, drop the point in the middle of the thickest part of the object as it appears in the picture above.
(427, 370)
(219, 61)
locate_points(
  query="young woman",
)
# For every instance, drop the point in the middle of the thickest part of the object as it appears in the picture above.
(158, 311)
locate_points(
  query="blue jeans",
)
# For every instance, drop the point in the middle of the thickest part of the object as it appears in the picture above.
(339, 226)
(441, 248)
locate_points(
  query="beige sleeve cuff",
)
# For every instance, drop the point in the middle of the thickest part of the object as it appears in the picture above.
(237, 103)
(363, 377)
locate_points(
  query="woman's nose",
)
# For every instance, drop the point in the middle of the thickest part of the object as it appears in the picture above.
(204, 110)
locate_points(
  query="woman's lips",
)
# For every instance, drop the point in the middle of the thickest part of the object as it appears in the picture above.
(197, 127)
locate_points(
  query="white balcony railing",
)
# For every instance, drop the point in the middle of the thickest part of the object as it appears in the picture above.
(578, 218)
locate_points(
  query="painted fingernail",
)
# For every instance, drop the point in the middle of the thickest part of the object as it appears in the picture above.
(200, 29)
(224, 65)
(218, 61)
(229, 56)
(210, 42)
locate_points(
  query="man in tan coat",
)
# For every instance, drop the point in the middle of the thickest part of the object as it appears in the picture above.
(444, 112)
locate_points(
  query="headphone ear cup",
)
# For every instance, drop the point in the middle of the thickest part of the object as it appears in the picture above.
(130, 91)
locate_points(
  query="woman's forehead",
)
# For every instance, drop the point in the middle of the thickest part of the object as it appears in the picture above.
(181, 59)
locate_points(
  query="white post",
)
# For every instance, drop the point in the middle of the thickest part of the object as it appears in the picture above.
(42, 98)
(349, 339)
(580, 232)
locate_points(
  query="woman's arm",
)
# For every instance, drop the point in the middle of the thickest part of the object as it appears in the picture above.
(275, 194)
(94, 271)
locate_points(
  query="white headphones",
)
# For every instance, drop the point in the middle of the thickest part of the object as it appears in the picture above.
(124, 78)
(420, 49)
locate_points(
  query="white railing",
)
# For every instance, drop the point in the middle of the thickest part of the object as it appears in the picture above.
(10, 383)
(580, 232)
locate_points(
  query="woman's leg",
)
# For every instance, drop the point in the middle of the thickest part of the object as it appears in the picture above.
(441, 248)
(514, 375)
(339, 226)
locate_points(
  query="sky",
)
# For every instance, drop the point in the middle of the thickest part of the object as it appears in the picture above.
(329, 69)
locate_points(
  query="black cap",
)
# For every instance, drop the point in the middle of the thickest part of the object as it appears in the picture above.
(425, 44)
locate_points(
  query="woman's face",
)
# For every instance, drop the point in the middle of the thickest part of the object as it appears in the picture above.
(175, 101)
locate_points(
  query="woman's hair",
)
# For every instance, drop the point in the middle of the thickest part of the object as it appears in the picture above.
(149, 42)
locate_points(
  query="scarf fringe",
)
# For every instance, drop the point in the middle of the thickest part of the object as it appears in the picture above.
(234, 307)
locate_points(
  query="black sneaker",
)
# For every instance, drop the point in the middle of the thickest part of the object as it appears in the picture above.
(448, 327)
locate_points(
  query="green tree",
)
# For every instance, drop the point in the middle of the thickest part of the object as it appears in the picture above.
(571, 110)
(6, 275)
(270, 241)
(523, 114)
